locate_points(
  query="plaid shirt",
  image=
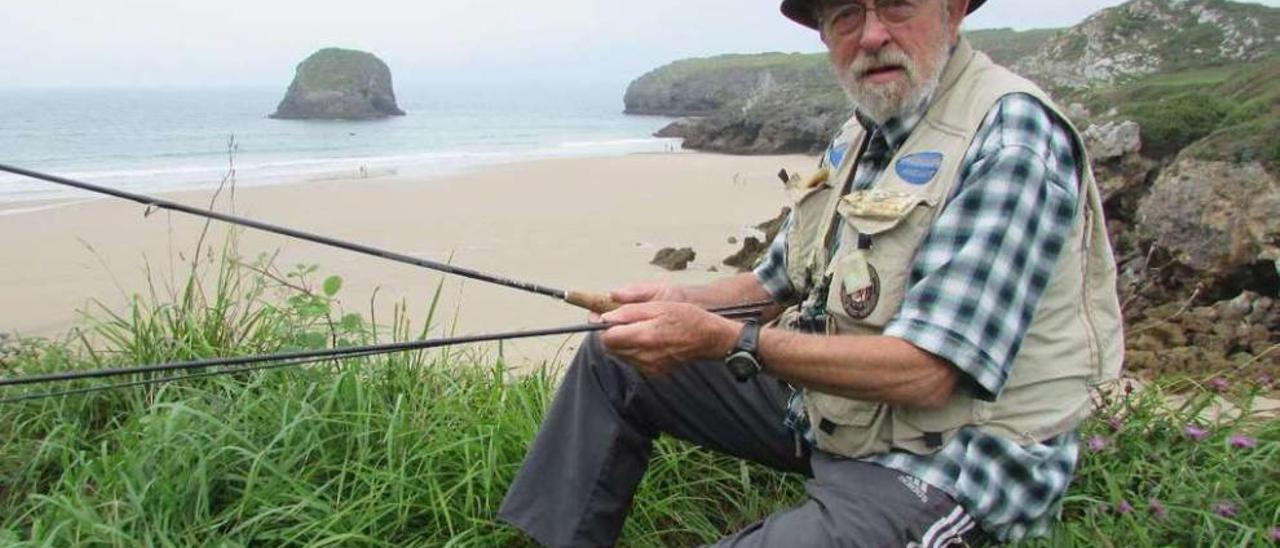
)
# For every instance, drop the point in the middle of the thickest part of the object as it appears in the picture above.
(973, 289)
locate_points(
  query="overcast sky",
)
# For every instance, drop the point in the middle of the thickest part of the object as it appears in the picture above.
(258, 42)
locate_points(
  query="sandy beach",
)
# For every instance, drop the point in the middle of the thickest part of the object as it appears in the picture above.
(587, 224)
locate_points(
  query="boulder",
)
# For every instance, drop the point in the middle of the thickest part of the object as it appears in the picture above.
(753, 248)
(1112, 139)
(674, 259)
(1219, 219)
(339, 84)
(745, 258)
(772, 226)
(675, 129)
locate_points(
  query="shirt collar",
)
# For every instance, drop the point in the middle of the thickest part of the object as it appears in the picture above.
(895, 131)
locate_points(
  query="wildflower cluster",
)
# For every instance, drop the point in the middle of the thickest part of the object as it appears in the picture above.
(1158, 470)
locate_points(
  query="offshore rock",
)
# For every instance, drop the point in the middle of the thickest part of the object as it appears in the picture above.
(340, 84)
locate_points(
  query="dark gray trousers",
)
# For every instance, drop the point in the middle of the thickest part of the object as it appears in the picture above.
(578, 480)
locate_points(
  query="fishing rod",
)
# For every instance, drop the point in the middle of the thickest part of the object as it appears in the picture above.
(174, 378)
(595, 302)
(294, 358)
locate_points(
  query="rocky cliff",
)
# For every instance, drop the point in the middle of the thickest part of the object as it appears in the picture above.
(746, 104)
(1146, 37)
(336, 83)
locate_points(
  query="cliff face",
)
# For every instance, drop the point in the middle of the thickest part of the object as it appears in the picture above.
(338, 83)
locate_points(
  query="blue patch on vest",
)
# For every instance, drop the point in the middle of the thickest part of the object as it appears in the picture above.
(919, 168)
(836, 154)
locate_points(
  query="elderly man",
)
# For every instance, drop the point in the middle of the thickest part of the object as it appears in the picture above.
(949, 298)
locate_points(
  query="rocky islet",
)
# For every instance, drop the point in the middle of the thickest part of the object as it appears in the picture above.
(339, 84)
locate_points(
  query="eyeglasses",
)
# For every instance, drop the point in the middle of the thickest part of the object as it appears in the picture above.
(849, 18)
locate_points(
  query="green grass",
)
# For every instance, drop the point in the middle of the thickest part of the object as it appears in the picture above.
(418, 449)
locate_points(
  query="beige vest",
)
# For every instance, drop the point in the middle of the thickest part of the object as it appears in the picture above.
(1075, 339)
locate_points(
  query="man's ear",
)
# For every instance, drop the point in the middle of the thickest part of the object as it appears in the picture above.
(958, 10)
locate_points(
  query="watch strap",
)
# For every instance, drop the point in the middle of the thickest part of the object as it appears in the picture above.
(749, 338)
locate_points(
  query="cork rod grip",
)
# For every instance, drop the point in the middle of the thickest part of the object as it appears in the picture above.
(595, 302)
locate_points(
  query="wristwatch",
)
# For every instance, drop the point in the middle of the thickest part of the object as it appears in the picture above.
(742, 361)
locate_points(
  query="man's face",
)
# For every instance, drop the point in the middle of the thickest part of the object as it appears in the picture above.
(889, 65)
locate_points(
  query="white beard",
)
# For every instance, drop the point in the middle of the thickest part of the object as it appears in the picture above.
(883, 102)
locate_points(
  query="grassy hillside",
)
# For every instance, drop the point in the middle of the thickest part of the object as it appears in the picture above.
(1239, 105)
(1008, 46)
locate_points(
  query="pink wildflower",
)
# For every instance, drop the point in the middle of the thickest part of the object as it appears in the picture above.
(1097, 443)
(1116, 423)
(1275, 534)
(1123, 507)
(1225, 509)
(1243, 442)
(1196, 433)
(1157, 508)
(1218, 384)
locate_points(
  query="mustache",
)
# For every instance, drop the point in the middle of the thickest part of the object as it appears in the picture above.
(888, 56)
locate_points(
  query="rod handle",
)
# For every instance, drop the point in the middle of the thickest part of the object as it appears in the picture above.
(595, 302)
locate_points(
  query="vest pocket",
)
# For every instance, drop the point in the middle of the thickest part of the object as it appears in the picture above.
(844, 426)
(878, 241)
(844, 411)
(872, 212)
(925, 431)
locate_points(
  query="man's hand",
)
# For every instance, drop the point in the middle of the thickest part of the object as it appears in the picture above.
(645, 292)
(657, 337)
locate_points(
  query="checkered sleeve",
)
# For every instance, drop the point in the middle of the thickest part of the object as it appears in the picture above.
(980, 273)
(772, 270)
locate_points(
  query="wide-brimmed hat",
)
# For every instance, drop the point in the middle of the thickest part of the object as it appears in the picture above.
(801, 11)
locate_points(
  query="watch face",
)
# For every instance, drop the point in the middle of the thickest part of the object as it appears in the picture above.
(742, 365)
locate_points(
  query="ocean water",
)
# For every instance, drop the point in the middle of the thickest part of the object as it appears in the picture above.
(176, 138)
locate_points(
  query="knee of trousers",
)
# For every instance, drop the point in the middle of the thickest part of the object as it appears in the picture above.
(594, 364)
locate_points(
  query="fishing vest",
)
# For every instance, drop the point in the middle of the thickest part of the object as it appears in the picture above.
(1075, 339)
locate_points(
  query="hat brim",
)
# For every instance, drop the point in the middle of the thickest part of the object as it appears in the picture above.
(801, 12)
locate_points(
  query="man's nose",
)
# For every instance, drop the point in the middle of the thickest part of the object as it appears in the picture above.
(874, 33)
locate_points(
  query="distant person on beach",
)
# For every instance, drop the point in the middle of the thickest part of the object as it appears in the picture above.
(946, 298)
